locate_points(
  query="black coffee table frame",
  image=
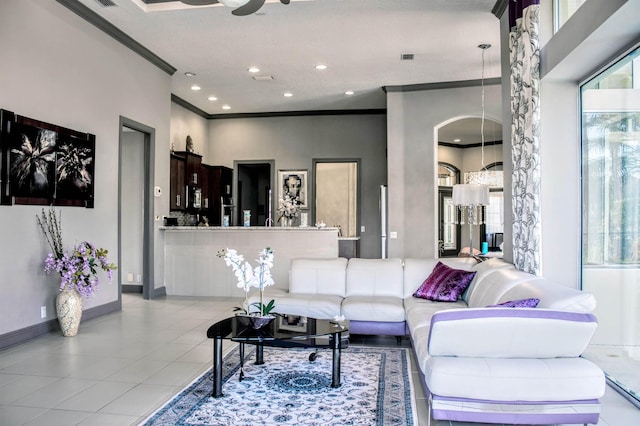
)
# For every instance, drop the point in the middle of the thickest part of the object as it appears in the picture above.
(271, 335)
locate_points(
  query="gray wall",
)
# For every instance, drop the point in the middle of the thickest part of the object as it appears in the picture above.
(60, 69)
(294, 141)
(413, 120)
(185, 123)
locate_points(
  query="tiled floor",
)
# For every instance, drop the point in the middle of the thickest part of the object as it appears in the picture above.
(621, 363)
(121, 367)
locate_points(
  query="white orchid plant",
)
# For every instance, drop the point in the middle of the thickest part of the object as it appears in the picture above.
(248, 276)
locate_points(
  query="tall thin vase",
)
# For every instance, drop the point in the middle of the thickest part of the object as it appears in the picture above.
(69, 309)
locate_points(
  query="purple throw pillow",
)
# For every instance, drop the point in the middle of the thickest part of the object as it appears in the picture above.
(522, 303)
(444, 284)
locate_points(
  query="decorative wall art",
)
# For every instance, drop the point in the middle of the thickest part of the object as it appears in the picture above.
(293, 183)
(44, 164)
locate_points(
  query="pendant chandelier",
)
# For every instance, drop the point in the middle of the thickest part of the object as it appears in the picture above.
(471, 197)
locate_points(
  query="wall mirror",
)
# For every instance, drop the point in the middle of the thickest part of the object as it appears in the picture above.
(336, 190)
(460, 153)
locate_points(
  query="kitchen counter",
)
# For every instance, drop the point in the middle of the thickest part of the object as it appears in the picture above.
(246, 228)
(193, 269)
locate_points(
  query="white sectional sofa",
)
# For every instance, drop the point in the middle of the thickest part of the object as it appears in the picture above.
(478, 363)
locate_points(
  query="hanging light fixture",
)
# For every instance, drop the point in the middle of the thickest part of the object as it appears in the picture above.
(471, 197)
(470, 200)
(493, 178)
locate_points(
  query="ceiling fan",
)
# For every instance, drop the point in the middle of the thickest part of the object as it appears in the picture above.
(244, 7)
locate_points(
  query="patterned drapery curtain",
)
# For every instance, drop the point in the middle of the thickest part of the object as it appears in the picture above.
(525, 132)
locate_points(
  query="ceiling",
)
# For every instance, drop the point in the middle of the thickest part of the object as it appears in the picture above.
(469, 131)
(360, 41)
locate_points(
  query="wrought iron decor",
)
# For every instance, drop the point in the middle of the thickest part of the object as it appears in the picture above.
(45, 164)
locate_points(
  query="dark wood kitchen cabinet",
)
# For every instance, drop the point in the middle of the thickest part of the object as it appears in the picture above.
(193, 181)
(177, 187)
(185, 181)
(193, 163)
(205, 187)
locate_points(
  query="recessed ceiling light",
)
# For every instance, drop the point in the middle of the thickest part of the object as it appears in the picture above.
(349, 92)
(190, 74)
(288, 94)
(212, 98)
(195, 87)
(253, 70)
(226, 107)
(321, 67)
(456, 140)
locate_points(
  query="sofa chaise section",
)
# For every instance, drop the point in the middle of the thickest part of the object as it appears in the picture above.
(513, 366)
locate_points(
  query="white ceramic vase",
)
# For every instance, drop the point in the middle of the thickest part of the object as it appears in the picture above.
(69, 309)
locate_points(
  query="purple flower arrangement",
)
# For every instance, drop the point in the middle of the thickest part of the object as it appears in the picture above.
(78, 268)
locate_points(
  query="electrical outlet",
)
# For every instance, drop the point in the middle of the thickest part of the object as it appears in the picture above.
(362, 228)
(393, 235)
(138, 278)
(129, 277)
(43, 311)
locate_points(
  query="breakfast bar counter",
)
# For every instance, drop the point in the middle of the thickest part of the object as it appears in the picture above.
(193, 269)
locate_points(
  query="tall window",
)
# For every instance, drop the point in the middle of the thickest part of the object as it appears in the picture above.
(611, 165)
(562, 11)
(611, 217)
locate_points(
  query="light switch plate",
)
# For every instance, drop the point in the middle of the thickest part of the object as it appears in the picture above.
(393, 235)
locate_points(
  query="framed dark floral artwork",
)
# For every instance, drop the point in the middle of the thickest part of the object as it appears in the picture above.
(45, 164)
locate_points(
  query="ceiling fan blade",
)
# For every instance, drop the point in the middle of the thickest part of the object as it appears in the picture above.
(199, 2)
(248, 8)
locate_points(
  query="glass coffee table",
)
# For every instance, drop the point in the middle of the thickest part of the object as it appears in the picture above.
(284, 331)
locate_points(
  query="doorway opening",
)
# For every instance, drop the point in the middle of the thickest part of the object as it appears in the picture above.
(135, 208)
(254, 180)
(466, 146)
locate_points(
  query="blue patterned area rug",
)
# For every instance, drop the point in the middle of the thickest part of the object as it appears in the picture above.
(288, 389)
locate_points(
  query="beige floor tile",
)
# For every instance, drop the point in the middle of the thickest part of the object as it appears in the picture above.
(140, 400)
(139, 371)
(55, 393)
(102, 419)
(23, 386)
(177, 374)
(58, 418)
(96, 397)
(15, 416)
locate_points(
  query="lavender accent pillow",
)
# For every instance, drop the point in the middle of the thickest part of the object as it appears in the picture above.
(522, 303)
(444, 284)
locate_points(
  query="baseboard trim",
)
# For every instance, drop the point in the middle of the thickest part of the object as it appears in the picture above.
(130, 288)
(159, 292)
(24, 334)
